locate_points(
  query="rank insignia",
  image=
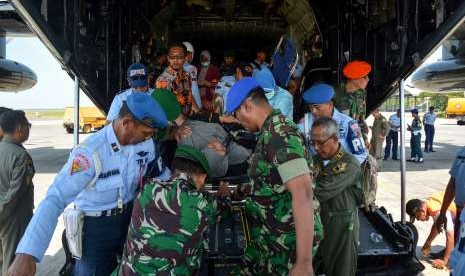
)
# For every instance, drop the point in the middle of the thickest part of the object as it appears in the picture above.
(114, 147)
(340, 167)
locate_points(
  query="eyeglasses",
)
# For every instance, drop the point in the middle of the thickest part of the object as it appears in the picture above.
(177, 57)
(314, 143)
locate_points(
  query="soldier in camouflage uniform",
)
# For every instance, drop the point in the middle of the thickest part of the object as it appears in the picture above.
(165, 236)
(339, 190)
(279, 206)
(351, 96)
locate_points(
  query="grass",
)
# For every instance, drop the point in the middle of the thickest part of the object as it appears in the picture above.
(45, 114)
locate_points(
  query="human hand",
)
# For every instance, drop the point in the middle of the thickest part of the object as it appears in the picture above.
(301, 269)
(182, 132)
(23, 265)
(439, 263)
(217, 146)
(223, 189)
(426, 249)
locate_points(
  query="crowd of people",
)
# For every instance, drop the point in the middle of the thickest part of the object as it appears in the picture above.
(137, 185)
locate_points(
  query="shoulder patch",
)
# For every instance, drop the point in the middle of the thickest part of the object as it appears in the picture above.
(80, 164)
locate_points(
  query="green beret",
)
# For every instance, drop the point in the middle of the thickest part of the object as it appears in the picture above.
(193, 155)
(168, 102)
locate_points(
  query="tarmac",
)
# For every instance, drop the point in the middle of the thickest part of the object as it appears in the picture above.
(49, 146)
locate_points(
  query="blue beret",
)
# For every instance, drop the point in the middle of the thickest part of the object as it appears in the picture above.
(137, 75)
(146, 110)
(239, 92)
(319, 94)
(414, 111)
(265, 79)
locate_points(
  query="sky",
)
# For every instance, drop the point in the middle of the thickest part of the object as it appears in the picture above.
(54, 87)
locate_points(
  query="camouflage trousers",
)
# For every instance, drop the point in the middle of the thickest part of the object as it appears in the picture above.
(261, 259)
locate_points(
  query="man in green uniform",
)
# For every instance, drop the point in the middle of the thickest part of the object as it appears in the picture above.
(338, 189)
(2, 110)
(379, 131)
(351, 96)
(16, 188)
(279, 206)
(166, 234)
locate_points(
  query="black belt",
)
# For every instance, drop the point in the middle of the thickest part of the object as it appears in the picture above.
(111, 212)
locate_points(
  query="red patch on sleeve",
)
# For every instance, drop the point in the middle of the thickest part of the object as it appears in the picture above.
(80, 164)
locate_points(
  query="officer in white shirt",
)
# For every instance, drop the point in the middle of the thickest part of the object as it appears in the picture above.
(393, 137)
(101, 177)
(138, 82)
(428, 121)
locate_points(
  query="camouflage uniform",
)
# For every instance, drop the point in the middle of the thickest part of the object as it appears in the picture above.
(338, 189)
(279, 156)
(353, 105)
(179, 84)
(165, 236)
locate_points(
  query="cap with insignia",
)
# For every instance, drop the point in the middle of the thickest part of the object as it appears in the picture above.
(137, 75)
(318, 94)
(168, 102)
(356, 69)
(194, 155)
(239, 92)
(146, 110)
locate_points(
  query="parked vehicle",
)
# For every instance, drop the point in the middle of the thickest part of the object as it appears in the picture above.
(90, 119)
(456, 109)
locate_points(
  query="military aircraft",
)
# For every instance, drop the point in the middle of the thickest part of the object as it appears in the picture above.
(14, 76)
(447, 74)
(97, 40)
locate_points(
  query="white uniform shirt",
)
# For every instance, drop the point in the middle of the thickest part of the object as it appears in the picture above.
(122, 169)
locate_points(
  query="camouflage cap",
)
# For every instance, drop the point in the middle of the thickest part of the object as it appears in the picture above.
(168, 102)
(194, 155)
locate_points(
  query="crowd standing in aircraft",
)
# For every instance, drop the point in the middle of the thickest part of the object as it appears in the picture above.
(365, 48)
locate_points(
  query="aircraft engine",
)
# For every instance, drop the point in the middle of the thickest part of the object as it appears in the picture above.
(15, 77)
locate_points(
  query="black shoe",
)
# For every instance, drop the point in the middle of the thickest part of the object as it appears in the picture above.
(385, 158)
(412, 160)
(395, 159)
(426, 151)
(419, 160)
(432, 150)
